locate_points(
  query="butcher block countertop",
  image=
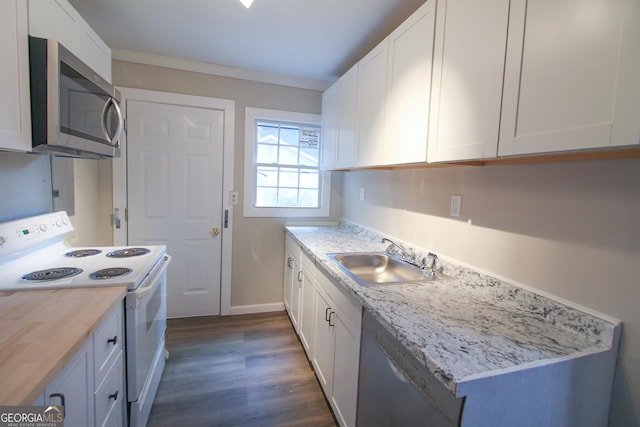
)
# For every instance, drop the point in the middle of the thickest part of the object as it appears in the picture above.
(41, 331)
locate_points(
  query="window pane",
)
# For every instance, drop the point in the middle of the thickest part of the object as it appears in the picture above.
(288, 155)
(267, 134)
(309, 179)
(286, 164)
(288, 177)
(309, 156)
(267, 176)
(308, 199)
(266, 197)
(289, 136)
(288, 197)
(267, 154)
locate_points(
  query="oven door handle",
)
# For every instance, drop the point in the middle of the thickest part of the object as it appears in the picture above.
(152, 278)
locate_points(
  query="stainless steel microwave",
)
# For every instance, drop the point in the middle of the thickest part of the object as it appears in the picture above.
(74, 111)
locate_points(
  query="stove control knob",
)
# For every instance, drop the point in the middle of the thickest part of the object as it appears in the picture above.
(43, 227)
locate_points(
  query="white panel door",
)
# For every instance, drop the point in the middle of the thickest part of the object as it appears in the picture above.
(174, 172)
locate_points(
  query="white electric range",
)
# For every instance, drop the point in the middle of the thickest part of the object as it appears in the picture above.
(34, 256)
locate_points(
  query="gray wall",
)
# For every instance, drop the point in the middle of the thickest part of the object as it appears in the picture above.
(568, 229)
(25, 185)
(258, 258)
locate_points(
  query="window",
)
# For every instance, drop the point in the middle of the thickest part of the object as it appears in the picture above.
(282, 165)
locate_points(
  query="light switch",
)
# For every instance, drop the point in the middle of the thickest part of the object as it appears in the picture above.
(456, 205)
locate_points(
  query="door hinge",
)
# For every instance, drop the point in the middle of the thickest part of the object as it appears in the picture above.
(226, 218)
(126, 214)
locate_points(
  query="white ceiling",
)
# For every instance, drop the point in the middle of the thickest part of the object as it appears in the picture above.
(309, 39)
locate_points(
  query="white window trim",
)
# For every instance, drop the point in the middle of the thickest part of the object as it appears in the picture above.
(251, 115)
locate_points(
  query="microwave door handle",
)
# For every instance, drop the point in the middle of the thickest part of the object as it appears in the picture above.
(115, 140)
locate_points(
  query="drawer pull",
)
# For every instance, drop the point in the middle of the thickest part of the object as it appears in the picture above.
(327, 314)
(113, 340)
(114, 396)
(331, 318)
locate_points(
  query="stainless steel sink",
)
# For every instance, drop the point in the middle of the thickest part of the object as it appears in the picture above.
(377, 268)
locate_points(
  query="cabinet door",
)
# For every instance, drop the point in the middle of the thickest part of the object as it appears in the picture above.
(93, 51)
(307, 315)
(296, 287)
(467, 79)
(572, 79)
(288, 281)
(348, 118)
(409, 87)
(372, 84)
(15, 106)
(58, 20)
(324, 341)
(54, 19)
(74, 387)
(344, 394)
(329, 127)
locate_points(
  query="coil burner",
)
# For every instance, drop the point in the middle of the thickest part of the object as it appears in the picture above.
(81, 253)
(128, 252)
(108, 273)
(51, 274)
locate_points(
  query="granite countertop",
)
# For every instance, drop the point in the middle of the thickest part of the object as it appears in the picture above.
(470, 326)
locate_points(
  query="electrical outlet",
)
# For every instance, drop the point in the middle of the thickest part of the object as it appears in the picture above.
(362, 194)
(233, 197)
(456, 205)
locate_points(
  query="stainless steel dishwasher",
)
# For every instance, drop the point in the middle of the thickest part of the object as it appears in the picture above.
(394, 389)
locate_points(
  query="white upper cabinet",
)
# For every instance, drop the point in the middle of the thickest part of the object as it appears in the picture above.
(339, 115)
(409, 87)
(467, 79)
(348, 116)
(372, 92)
(58, 20)
(572, 76)
(15, 106)
(330, 125)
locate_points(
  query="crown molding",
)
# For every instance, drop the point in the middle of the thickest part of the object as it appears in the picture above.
(218, 70)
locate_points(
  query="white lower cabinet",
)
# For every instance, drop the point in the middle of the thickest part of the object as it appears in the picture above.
(337, 348)
(291, 280)
(73, 389)
(307, 319)
(328, 322)
(91, 387)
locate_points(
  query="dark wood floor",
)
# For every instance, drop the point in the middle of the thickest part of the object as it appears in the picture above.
(245, 370)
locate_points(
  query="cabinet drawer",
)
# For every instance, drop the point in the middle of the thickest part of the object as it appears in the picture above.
(107, 343)
(110, 394)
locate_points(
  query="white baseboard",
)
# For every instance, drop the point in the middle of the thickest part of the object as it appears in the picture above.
(257, 308)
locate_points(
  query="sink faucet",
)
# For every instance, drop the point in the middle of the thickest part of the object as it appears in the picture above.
(406, 256)
(433, 268)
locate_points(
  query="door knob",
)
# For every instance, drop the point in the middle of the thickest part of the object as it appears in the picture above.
(215, 231)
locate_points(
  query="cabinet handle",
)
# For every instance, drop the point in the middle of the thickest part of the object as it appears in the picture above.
(332, 314)
(299, 276)
(114, 396)
(327, 314)
(113, 340)
(61, 396)
(289, 261)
